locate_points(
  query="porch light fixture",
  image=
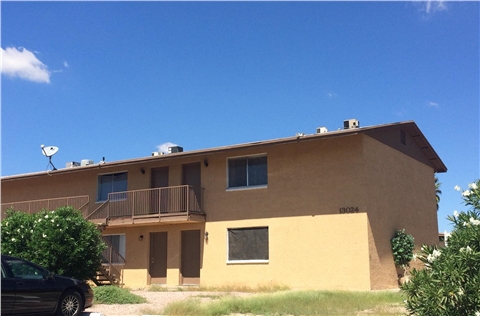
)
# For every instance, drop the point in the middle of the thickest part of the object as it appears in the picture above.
(142, 170)
(205, 162)
(140, 238)
(206, 235)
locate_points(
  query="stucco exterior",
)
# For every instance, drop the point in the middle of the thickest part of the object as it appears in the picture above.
(383, 174)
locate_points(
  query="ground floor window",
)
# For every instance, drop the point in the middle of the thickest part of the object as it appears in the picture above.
(118, 248)
(248, 244)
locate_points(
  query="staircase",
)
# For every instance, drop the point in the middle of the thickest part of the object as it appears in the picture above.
(111, 269)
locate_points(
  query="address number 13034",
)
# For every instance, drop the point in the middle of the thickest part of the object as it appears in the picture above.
(348, 210)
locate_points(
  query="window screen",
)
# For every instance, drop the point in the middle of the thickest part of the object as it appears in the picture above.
(248, 244)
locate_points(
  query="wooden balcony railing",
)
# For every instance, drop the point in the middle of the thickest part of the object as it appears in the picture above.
(168, 200)
(30, 207)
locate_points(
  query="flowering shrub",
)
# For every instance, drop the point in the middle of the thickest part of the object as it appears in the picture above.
(62, 241)
(450, 282)
(402, 248)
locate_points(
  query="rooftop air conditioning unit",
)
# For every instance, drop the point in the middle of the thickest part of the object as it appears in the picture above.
(86, 162)
(175, 149)
(157, 153)
(352, 123)
(321, 130)
(72, 164)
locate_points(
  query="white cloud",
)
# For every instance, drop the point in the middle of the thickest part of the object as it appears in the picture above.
(433, 104)
(432, 6)
(66, 64)
(163, 148)
(23, 64)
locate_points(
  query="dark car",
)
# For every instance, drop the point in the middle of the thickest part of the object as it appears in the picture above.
(28, 288)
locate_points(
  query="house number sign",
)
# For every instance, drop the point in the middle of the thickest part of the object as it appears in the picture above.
(348, 210)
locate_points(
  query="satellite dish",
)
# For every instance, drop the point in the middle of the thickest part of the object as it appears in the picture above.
(49, 151)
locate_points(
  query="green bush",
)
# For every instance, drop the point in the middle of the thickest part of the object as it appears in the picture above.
(402, 248)
(62, 241)
(116, 295)
(450, 282)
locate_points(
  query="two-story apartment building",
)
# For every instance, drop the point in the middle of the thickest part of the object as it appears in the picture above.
(310, 211)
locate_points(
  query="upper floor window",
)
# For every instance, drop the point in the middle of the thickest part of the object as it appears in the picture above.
(109, 183)
(247, 172)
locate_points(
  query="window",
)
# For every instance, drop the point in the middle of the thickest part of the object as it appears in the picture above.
(248, 244)
(118, 244)
(247, 172)
(21, 269)
(108, 183)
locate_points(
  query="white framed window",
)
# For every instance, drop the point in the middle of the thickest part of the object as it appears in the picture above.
(247, 172)
(118, 244)
(109, 183)
(247, 245)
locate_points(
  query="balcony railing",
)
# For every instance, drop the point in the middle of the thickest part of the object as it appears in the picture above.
(30, 207)
(150, 202)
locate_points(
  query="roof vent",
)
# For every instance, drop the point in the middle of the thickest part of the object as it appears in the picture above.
(352, 123)
(157, 153)
(321, 130)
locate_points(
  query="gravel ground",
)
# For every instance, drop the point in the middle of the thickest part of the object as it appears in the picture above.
(156, 301)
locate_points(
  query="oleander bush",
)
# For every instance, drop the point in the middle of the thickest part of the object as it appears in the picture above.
(449, 284)
(61, 241)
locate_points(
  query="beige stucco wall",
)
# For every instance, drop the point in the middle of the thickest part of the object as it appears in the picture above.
(401, 195)
(305, 252)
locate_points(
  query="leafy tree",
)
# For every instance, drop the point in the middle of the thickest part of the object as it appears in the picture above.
(450, 282)
(62, 241)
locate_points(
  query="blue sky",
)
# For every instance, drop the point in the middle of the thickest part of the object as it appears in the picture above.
(119, 79)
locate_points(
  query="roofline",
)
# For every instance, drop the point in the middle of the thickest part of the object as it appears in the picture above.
(410, 126)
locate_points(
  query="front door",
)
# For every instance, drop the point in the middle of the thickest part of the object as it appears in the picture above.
(159, 197)
(158, 258)
(190, 266)
(191, 176)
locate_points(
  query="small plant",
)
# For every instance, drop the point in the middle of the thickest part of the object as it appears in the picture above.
(402, 249)
(116, 295)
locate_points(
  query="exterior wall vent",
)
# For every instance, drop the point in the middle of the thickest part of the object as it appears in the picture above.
(175, 149)
(352, 123)
(403, 137)
(321, 130)
(86, 162)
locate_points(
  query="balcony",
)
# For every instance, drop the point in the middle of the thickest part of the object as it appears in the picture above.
(78, 202)
(177, 204)
(169, 205)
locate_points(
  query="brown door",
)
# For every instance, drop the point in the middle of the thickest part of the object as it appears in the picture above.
(159, 198)
(191, 176)
(158, 258)
(190, 266)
